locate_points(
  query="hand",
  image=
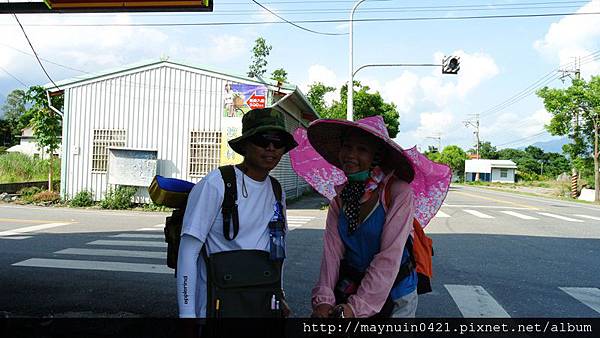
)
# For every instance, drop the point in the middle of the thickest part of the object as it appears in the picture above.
(322, 311)
(285, 309)
(348, 313)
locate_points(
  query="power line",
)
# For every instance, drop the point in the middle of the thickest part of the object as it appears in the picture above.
(43, 59)
(251, 23)
(34, 52)
(295, 25)
(14, 77)
(523, 139)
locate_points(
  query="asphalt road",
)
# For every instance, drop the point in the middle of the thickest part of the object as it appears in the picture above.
(496, 255)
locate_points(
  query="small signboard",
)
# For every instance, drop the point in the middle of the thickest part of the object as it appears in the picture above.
(132, 167)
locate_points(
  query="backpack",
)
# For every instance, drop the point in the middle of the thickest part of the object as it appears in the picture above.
(420, 247)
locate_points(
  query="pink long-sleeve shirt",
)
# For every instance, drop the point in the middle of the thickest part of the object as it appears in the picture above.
(381, 273)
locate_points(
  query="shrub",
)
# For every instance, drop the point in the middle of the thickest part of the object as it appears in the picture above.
(46, 197)
(28, 193)
(83, 198)
(119, 198)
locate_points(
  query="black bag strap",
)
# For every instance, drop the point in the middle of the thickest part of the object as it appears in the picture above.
(276, 188)
(229, 206)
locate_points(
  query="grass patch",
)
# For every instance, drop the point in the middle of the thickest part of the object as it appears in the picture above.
(119, 199)
(82, 199)
(17, 167)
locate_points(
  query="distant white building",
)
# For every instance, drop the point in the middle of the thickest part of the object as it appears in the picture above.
(490, 170)
(28, 145)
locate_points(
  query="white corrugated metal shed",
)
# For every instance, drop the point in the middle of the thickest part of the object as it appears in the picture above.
(158, 105)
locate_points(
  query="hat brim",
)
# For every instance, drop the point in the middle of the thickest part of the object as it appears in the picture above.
(237, 144)
(326, 136)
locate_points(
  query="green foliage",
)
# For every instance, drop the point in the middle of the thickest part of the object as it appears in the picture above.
(3, 150)
(453, 156)
(119, 198)
(486, 151)
(155, 207)
(365, 104)
(46, 123)
(279, 75)
(28, 193)
(260, 51)
(17, 167)
(15, 117)
(316, 97)
(83, 198)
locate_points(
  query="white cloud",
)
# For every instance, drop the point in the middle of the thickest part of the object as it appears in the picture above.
(573, 36)
(521, 125)
(320, 73)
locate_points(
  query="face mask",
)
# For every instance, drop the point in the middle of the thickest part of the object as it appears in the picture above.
(360, 176)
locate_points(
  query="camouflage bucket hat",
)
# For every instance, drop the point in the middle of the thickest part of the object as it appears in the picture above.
(259, 121)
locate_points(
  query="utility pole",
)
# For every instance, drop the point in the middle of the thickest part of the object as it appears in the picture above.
(568, 73)
(438, 137)
(474, 122)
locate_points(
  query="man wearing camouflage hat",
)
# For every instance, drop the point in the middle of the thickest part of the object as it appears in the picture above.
(248, 240)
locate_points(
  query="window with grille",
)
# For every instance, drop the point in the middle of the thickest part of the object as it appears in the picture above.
(102, 139)
(205, 152)
(503, 173)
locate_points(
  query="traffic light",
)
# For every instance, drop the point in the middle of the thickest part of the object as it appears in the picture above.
(451, 65)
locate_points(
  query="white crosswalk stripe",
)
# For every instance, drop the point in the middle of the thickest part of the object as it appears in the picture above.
(589, 217)
(588, 296)
(150, 244)
(94, 265)
(474, 302)
(295, 222)
(149, 229)
(564, 218)
(519, 215)
(477, 213)
(441, 214)
(113, 253)
(138, 236)
(30, 229)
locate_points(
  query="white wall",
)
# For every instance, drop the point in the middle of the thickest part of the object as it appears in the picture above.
(510, 176)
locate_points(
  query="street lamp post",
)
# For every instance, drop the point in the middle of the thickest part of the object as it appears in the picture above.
(350, 103)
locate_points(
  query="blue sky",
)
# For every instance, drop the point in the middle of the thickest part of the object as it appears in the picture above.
(500, 57)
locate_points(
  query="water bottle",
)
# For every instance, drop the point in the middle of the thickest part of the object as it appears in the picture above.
(277, 234)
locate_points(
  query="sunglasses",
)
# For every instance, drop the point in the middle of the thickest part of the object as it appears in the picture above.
(263, 140)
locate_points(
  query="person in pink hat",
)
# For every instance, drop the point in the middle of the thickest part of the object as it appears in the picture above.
(366, 268)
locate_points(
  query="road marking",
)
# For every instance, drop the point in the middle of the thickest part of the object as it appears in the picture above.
(138, 236)
(474, 302)
(477, 213)
(159, 226)
(301, 218)
(95, 265)
(15, 237)
(516, 214)
(590, 217)
(113, 253)
(482, 206)
(130, 243)
(496, 200)
(149, 229)
(568, 219)
(19, 220)
(441, 214)
(588, 296)
(32, 229)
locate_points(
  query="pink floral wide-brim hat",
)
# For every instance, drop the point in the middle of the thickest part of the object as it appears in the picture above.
(326, 137)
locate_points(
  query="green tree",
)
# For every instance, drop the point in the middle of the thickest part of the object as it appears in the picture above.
(260, 51)
(454, 156)
(46, 123)
(279, 75)
(316, 97)
(366, 104)
(13, 109)
(486, 151)
(579, 101)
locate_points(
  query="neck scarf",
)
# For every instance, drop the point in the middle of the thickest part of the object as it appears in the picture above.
(357, 192)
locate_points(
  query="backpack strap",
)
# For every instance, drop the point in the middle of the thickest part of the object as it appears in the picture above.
(276, 188)
(229, 207)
